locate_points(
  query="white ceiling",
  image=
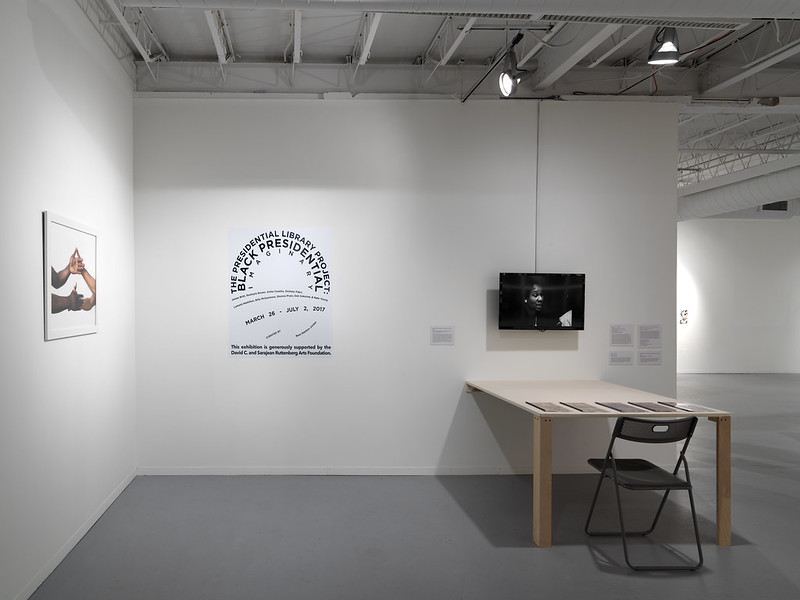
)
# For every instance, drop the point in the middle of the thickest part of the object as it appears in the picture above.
(738, 80)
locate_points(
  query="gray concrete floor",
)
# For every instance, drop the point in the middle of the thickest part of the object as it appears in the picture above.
(460, 537)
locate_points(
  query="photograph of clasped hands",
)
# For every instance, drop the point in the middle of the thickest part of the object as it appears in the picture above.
(73, 301)
(70, 271)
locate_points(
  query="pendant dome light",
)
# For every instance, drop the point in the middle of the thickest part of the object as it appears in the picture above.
(664, 47)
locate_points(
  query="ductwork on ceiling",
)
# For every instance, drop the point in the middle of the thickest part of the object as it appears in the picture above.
(780, 186)
(777, 9)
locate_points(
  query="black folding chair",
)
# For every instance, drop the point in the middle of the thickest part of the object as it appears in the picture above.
(640, 474)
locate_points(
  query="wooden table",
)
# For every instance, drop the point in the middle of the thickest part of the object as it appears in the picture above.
(548, 400)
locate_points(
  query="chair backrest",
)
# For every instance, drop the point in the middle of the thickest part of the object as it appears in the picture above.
(654, 431)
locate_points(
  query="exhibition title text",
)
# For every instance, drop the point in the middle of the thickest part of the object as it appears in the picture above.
(282, 241)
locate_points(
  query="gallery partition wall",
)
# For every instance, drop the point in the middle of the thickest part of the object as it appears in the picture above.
(425, 202)
(67, 414)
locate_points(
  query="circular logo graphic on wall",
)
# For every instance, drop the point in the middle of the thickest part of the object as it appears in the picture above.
(280, 292)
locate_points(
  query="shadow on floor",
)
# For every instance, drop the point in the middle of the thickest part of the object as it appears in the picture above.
(503, 511)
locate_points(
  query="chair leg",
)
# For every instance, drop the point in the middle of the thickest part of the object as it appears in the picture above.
(625, 534)
(591, 508)
(622, 527)
(683, 567)
(696, 532)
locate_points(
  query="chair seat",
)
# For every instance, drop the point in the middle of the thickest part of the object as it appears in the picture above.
(640, 474)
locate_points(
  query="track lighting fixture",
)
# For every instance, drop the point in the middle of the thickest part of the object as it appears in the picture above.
(511, 76)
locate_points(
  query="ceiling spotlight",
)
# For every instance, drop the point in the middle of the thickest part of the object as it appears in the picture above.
(511, 75)
(664, 47)
(508, 83)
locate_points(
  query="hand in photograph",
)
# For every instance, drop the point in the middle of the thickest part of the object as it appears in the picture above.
(88, 303)
(72, 302)
(74, 266)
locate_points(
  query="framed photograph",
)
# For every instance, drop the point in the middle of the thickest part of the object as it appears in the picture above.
(70, 278)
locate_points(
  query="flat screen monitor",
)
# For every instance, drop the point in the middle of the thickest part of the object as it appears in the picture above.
(542, 301)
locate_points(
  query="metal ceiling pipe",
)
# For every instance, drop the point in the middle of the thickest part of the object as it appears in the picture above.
(750, 193)
(745, 9)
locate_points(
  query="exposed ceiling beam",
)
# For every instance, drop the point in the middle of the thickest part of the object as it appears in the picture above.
(785, 106)
(540, 44)
(782, 151)
(761, 170)
(780, 139)
(448, 54)
(457, 42)
(296, 25)
(555, 61)
(274, 79)
(780, 9)
(436, 42)
(371, 23)
(99, 15)
(218, 26)
(620, 44)
(365, 39)
(135, 25)
(297, 36)
(722, 129)
(720, 78)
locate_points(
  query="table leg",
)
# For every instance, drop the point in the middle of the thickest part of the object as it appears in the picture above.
(723, 480)
(542, 480)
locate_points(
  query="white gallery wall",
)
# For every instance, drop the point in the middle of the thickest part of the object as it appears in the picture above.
(426, 202)
(607, 206)
(67, 415)
(739, 283)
